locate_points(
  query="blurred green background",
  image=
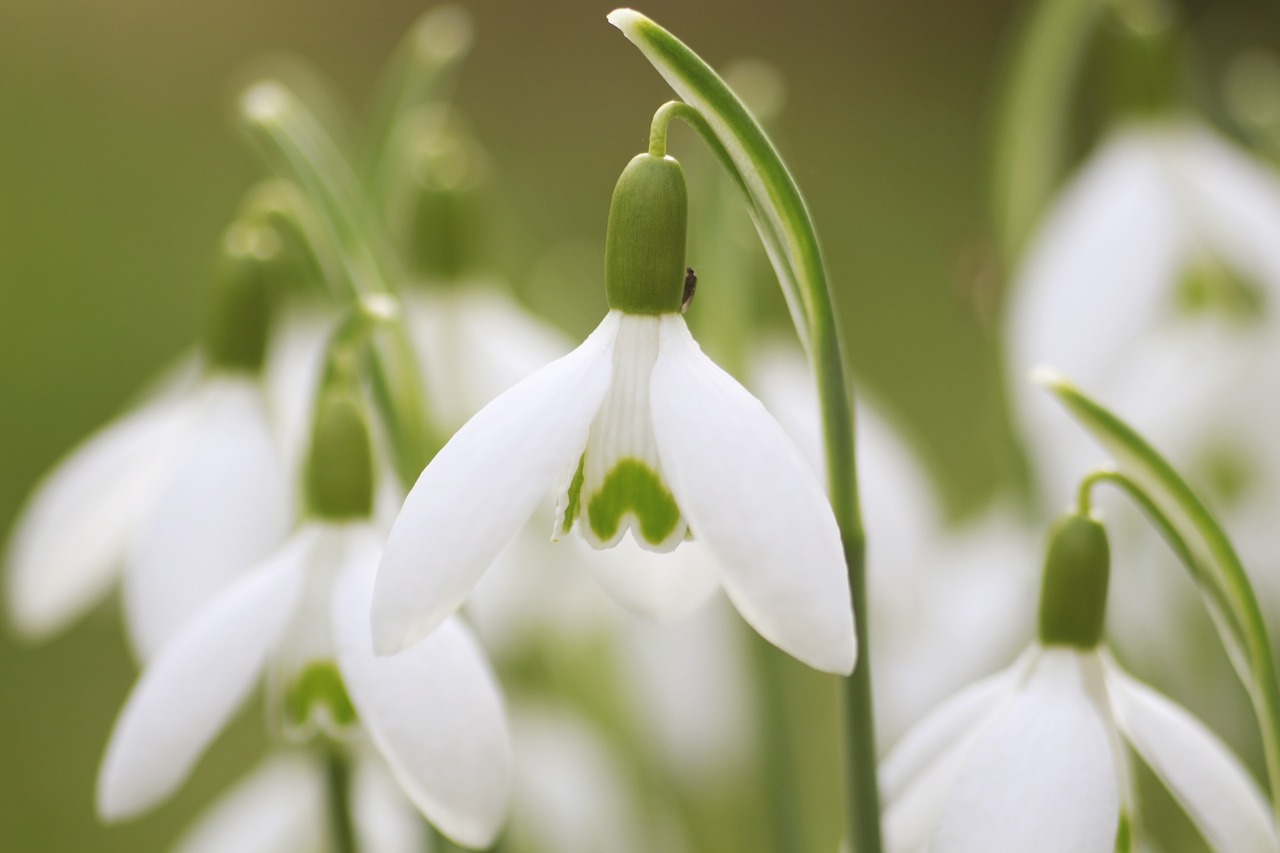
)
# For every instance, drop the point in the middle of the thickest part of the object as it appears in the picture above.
(120, 166)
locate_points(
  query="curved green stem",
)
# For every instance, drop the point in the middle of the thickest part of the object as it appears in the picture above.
(786, 229)
(1202, 546)
(298, 149)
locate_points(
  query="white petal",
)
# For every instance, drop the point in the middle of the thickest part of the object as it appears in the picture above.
(279, 808)
(434, 712)
(1235, 201)
(1042, 775)
(655, 586)
(194, 685)
(385, 821)
(69, 541)
(486, 482)
(1209, 782)
(226, 506)
(751, 498)
(941, 728)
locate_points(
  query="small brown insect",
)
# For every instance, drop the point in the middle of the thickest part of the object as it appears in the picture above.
(690, 288)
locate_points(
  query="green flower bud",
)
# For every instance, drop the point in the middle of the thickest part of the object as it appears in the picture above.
(645, 246)
(238, 316)
(1073, 598)
(339, 472)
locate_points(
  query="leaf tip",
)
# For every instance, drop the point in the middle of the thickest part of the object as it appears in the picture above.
(624, 19)
(1048, 378)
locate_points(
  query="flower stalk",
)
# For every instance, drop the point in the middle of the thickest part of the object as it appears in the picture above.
(1204, 549)
(298, 149)
(784, 225)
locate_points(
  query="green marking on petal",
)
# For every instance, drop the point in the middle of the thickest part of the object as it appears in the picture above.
(1124, 834)
(319, 684)
(632, 486)
(575, 497)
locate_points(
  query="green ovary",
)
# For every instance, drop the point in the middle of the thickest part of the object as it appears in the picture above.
(319, 684)
(632, 486)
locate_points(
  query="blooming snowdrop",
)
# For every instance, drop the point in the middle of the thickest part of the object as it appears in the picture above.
(643, 434)
(1034, 757)
(182, 494)
(434, 713)
(1167, 241)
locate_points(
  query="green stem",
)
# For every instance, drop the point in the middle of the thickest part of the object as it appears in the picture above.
(337, 777)
(298, 149)
(777, 755)
(1236, 614)
(836, 400)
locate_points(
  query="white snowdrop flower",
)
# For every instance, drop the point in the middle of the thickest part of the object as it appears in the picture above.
(1168, 236)
(644, 434)
(282, 807)
(434, 713)
(183, 494)
(301, 617)
(1034, 758)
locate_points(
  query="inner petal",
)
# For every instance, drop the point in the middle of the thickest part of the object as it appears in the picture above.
(622, 484)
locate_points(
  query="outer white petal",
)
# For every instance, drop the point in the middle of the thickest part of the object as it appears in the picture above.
(69, 541)
(434, 712)
(279, 808)
(189, 692)
(486, 482)
(1042, 775)
(655, 586)
(385, 821)
(751, 498)
(1234, 200)
(1209, 782)
(943, 727)
(226, 506)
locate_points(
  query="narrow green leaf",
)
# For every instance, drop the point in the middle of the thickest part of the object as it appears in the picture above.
(1199, 540)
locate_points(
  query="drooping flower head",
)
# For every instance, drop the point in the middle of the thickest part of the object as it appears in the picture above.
(1035, 757)
(639, 433)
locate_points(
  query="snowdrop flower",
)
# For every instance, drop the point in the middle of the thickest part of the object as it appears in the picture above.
(434, 713)
(282, 807)
(645, 435)
(1166, 230)
(182, 494)
(1034, 758)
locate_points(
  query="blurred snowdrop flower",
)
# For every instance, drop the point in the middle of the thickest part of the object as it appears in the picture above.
(282, 807)
(302, 615)
(573, 793)
(644, 434)
(474, 342)
(184, 493)
(434, 713)
(1168, 227)
(1034, 758)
